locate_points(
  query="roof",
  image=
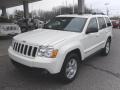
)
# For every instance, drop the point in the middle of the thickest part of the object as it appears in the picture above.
(83, 16)
(12, 3)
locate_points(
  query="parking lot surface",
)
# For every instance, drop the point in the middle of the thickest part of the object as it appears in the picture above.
(96, 72)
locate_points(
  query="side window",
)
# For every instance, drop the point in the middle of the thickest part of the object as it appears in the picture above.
(92, 26)
(102, 23)
(108, 21)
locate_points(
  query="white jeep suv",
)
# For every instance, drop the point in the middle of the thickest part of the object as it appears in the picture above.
(63, 42)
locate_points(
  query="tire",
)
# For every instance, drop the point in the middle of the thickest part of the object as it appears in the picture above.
(106, 49)
(70, 68)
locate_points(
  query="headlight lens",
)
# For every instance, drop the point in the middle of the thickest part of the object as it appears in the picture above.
(47, 51)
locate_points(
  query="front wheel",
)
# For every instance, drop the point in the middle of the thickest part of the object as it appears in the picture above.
(70, 68)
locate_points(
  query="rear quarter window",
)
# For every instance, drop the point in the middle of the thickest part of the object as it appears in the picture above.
(108, 21)
(102, 23)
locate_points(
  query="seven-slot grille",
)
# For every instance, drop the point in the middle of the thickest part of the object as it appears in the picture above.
(25, 49)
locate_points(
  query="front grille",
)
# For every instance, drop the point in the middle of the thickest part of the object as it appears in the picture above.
(25, 49)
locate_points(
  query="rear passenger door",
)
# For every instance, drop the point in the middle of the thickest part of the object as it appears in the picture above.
(109, 25)
(102, 32)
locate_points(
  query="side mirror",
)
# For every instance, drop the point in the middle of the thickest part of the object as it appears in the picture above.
(91, 30)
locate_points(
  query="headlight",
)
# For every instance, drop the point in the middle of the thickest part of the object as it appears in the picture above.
(47, 51)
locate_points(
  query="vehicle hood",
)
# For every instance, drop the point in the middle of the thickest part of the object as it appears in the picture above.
(45, 36)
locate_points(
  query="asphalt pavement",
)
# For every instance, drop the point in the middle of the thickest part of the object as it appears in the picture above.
(96, 72)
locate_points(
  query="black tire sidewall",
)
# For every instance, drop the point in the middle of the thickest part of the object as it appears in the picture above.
(104, 53)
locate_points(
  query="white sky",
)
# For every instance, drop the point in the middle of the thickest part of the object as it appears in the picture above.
(114, 5)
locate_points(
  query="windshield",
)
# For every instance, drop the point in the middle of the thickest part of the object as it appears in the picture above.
(66, 24)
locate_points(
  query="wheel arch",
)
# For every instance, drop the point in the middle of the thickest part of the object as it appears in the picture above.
(77, 51)
(110, 38)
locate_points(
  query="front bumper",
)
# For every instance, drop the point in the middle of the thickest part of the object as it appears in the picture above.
(49, 64)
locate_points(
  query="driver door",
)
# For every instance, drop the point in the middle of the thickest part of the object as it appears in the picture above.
(90, 39)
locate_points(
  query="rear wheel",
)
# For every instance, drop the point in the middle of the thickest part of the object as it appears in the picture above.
(106, 49)
(70, 67)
